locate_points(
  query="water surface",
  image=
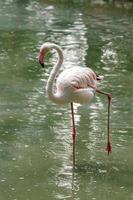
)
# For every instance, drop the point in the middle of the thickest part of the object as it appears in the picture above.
(35, 134)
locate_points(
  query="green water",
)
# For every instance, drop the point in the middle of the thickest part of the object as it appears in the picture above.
(35, 134)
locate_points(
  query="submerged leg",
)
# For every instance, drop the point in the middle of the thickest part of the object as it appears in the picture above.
(109, 147)
(73, 132)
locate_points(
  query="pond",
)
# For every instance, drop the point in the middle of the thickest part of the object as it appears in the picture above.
(35, 134)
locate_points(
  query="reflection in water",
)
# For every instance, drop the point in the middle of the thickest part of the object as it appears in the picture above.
(109, 55)
(65, 173)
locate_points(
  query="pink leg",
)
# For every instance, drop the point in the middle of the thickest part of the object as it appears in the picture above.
(109, 147)
(73, 133)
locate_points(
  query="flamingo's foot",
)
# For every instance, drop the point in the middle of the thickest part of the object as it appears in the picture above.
(109, 148)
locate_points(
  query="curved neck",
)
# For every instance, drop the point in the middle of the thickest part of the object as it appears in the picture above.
(49, 87)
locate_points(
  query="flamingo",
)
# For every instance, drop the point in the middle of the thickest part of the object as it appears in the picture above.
(76, 84)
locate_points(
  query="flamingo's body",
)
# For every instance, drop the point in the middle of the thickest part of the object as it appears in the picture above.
(74, 84)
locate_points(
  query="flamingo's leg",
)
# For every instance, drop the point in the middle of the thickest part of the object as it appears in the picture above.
(109, 148)
(73, 132)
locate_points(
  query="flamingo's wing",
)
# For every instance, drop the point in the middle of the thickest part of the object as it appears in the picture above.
(83, 78)
(76, 77)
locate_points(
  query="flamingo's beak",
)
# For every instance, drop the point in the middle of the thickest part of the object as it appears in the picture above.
(41, 56)
(41, 63)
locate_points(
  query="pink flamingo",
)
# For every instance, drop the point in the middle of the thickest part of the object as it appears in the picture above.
(76, 84)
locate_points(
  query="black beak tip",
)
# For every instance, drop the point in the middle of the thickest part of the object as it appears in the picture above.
(42, 64)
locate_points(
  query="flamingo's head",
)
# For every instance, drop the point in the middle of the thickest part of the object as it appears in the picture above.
(43, 51)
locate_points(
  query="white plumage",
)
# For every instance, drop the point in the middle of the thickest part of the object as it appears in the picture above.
(76, 84)
(73, 84)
